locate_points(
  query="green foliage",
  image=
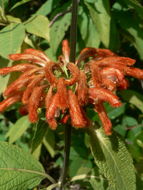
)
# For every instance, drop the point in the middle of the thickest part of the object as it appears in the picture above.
(11, 38)
(17, 130)
(32, 26)
(113, 160)
(19, 170)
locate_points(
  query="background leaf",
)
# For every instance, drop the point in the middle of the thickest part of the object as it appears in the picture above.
(18, 169)
(113, 160)
(58, 30)
(18, 129)
(101, 18)
(38, 25)
(11, 38)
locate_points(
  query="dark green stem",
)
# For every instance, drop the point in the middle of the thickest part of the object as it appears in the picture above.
(66, 156)
(73, 30)
(73, 33)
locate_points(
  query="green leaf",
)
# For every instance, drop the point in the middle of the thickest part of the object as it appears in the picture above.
(49, 142)
(38, 25)
(58, 30)
(133, 97)
(136, 5)
(88, 31)
(115, 112)
(11, 38)
(46, 8)
(112, 158)
(132, 25)
(100, 15)
(19, 4)
(4, 3)
(18, 169)
(41, 130)
(17, 130)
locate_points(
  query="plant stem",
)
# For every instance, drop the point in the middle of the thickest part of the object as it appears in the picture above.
(66, 155)
(73, 30)
(73, 33)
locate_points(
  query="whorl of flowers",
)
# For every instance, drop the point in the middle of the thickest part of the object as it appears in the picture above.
(64, 89)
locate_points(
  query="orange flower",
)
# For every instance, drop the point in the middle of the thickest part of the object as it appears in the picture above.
(64, 89)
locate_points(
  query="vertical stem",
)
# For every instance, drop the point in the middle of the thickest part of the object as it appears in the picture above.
(73, 33)
(73, 30)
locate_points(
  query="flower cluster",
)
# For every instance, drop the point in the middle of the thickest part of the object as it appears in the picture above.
(64, 89)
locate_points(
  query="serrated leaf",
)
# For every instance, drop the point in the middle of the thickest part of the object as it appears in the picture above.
(38, 25)
(41, 130)
(17, 130)
(46, 8)
(11, 38)
(112, 158)
(58, 30)
(18, 169)
(101, 18)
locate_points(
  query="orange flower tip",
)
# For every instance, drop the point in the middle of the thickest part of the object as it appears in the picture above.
(33, 119)
(118, 104)
(52, 124)
(12, 56)
(108, 133)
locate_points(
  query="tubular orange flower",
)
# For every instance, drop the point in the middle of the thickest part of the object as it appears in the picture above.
(95, 82)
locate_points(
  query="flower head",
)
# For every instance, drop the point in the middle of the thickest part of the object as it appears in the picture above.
(64, 89)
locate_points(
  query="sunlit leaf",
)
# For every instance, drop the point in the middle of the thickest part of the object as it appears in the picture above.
(38, 25)
(18, 169)
(58, 30)
(11, 38)
(19, 4)
(113, 160)
(46, 8)
(17, 130)
(101, 18)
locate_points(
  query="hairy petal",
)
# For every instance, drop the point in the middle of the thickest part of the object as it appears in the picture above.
(66, 50)
(34, 103)
(51, 111)
(20, 67)
(104, 95)
(17, 85)
(86, 53)
(107, 125)
(77, 117)
(109, 61)
(75, 74)
(28, 57)
(82, 89)
(28, 91)
(9, 101)
(95, 53)
(49, 73)
(63, 95)
(134, 72)
(96, 76)
(37, 53)
(101, 53)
